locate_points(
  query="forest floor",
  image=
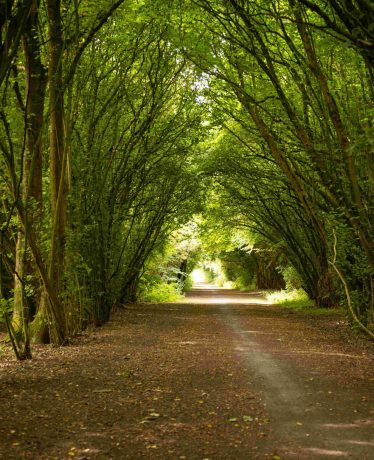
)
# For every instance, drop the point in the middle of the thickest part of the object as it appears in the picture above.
(220, 375)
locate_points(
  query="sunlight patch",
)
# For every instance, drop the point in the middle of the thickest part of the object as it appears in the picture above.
(327, 452)
(340, 425)
(198, 276)
(343, 355)
(361, 443)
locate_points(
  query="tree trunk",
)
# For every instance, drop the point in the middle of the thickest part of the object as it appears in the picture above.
(31, 186)
(57, 156)
(57, 159)
(354, 209)
(267, 276)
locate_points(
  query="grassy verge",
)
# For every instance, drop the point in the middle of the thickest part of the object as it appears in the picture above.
(298, 300)
(162, 292)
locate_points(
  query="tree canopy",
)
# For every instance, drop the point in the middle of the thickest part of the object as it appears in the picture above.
(121, 121)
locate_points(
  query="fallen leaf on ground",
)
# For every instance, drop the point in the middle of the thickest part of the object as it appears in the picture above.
(152, 416)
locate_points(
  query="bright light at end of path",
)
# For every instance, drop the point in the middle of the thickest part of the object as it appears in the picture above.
(198, 276)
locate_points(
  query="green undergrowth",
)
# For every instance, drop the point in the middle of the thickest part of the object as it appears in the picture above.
(298, 300)
(244, 283)
(163, 292)
(188, 285)
(247, 288)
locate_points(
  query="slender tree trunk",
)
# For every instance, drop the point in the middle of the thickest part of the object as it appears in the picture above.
(324, 292)
(57, 155)
(31, 193)
(57, 161)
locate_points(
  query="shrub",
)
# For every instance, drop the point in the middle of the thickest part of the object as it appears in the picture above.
(161, 292)
(295, 298)
(292, 279)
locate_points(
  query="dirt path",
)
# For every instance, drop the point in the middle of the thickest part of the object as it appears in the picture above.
(219, 376)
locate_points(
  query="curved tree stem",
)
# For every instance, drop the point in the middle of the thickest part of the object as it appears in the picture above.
(347, 293)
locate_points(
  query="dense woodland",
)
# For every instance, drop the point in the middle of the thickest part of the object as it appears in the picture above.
(129, 127)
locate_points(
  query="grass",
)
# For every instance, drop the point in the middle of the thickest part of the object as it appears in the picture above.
(298, 300)
(160, 293)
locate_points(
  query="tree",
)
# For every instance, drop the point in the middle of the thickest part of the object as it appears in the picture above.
(286, 75)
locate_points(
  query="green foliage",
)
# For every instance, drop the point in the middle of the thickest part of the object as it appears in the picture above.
(239, 268)
(6, 308)
(161, 292)
(298, 300)
(244, 283)
(188, 284)
(171, 263)
(294, 298)
(210, 275)
(292, 279)
(235, 112)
